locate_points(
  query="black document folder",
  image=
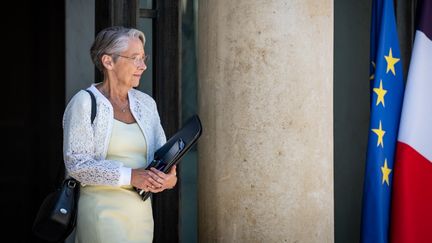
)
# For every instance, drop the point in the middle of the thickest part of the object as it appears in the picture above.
(175, 148)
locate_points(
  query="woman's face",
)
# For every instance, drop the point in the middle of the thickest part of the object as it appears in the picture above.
(130, 64)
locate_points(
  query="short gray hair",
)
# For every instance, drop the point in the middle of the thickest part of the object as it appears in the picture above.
(112, 40)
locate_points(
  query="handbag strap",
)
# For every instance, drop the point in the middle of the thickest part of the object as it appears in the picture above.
(93, 108)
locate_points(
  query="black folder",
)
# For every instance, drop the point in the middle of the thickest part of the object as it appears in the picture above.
(175, 148)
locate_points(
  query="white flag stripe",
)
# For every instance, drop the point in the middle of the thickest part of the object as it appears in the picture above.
(416, 119)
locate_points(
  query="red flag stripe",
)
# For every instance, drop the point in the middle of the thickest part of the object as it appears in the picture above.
(411, 203)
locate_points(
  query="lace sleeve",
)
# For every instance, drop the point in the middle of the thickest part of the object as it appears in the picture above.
(159, 131)
(78, 146)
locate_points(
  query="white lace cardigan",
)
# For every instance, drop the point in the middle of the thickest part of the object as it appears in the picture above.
(85, 145)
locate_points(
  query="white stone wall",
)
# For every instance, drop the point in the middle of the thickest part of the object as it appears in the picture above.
(80, 33)
(265, 86)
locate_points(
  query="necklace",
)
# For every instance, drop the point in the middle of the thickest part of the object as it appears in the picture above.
(124, 108)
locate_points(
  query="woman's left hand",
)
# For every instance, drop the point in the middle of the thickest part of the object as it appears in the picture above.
(168, 181)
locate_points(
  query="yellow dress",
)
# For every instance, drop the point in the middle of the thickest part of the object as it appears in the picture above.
(117, 214)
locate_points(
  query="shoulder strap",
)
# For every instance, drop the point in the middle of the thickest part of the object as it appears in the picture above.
(93, 109)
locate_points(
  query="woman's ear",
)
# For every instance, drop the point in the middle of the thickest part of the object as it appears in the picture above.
(108, 62)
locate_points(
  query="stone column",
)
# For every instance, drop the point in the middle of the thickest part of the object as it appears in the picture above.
(265, 170)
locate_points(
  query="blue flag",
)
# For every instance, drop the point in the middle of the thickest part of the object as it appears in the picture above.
(387, 88)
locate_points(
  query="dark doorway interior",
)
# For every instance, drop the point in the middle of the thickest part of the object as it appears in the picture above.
(33, 99)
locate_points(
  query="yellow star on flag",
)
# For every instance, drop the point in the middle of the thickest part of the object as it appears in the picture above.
(386, 172)
(391, 61)
(380, 93)
(380, 133)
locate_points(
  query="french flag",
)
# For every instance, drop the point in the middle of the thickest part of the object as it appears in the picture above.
(411, 211)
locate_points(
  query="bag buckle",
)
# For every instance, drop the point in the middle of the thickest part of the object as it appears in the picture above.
(71, 183)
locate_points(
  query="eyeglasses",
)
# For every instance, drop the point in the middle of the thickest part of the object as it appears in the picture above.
(138, 60)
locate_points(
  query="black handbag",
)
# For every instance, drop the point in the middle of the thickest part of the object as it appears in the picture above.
(57, 215)
(174, 149)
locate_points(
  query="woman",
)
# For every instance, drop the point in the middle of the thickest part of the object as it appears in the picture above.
(109, 156)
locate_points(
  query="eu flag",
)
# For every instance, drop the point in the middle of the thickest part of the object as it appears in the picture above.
(387, 89)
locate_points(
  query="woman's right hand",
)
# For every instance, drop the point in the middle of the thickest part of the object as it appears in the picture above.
(146, 180)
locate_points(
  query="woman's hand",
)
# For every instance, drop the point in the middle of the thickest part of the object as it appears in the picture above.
(168, 181)
(153, 180)
(145, 179)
